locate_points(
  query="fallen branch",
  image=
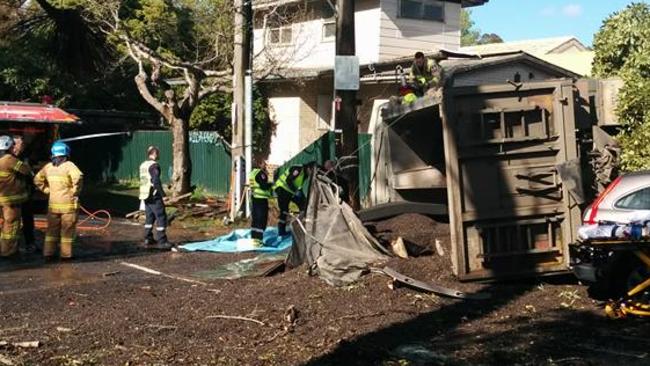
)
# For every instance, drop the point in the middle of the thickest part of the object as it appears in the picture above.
(158, 273)
(177, 199)
(236, 318)
(132, 214)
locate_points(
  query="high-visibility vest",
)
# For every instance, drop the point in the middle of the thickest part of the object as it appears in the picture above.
(297, 182)
(256, 189)
(145, 179)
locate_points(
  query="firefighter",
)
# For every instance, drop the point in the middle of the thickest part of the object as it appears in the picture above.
(27, 208)
(152, 194)
(261, 190)
(424, 74)
(288, 188)
(13, 193)
(62, 181)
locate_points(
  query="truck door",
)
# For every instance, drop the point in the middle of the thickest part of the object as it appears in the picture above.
(510, 214)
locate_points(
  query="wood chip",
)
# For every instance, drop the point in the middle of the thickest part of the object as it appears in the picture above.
(32, 344)
(4, 360)
(63, 330)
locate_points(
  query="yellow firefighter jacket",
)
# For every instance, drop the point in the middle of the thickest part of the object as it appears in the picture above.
(13, 188)
(63, 184)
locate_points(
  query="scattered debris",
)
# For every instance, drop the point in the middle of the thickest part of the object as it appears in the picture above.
(399, 248)
(439, 290)
(109, 274)
(209, 208)
(4, 360)
(31, 344)
(158, 273)
(291, 314)
(601, 349)
(419, 354)
(159, 327)
(235, 318)
(439, 249)
(63, 330)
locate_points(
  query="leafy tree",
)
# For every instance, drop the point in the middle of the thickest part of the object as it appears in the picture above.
(622, 49)
(469, 35)
(213, 114)
(42, 54)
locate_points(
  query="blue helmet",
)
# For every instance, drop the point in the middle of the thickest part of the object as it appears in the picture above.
(60, 148)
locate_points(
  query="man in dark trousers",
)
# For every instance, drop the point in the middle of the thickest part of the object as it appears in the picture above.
(152, 193)
(288, 188)
(261, 192)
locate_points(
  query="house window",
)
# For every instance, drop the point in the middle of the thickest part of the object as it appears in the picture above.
(281, 35)
(422, 9)
(329, 30)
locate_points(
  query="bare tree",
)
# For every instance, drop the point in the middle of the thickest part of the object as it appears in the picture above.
(198, 59)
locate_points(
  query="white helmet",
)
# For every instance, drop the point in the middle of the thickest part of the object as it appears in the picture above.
(6, 142)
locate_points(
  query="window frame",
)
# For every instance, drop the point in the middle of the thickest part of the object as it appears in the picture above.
(422, 17)
(327, 22)
(280, 30)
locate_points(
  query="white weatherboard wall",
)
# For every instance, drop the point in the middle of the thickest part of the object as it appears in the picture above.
(308, 48)
(286, 141)
(401, 37)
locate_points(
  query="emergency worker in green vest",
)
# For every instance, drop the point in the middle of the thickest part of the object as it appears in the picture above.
(151, 194)
(288, 188)
(261, 191)
(424, 74)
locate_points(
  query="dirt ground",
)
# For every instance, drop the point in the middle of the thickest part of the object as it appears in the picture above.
(97, 310)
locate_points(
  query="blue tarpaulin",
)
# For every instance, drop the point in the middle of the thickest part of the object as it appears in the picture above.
(240, 241)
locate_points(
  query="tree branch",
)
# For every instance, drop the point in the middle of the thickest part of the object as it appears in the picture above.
(141, 83)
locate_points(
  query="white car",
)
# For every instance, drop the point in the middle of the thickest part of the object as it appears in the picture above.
(626, 199)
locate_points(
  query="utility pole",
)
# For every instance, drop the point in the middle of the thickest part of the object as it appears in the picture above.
(346, 110)
(241, 62)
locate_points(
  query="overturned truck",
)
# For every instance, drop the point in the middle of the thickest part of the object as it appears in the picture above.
(510, 165)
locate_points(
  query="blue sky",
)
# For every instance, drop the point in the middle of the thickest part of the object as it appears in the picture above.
(528, 19)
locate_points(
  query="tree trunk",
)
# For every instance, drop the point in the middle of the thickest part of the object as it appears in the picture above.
(182, 166)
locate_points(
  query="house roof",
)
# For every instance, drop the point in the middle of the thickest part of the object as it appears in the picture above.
(385, 71)
(268, 3)
(540, 46)
(578, 62)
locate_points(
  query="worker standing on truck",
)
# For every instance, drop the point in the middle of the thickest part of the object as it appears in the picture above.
(424, 74)
(288, 188)
(62, 181)
(152, 194)
(13, 193)
(261, 191)
(27, 209)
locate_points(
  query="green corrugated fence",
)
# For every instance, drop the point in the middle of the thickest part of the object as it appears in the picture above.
(324, 149)
(119, 157)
